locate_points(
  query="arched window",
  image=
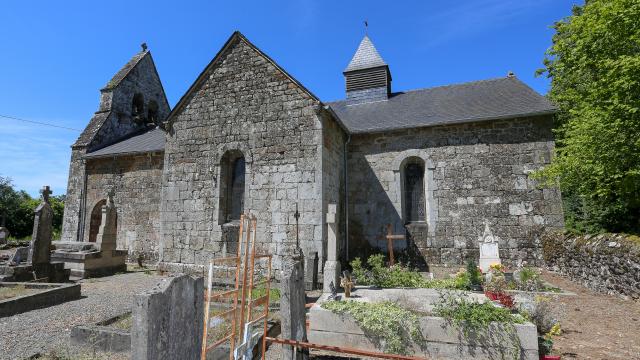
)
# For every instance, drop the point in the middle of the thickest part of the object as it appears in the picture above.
(413, 190)
(137, 107)
(232, 183)
(152, 112)
(96, 220)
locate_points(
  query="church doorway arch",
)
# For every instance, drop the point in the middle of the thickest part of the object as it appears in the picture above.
(96, 220)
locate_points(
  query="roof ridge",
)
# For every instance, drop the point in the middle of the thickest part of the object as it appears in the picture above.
(126, 69)
(443, 86)
(461, 84)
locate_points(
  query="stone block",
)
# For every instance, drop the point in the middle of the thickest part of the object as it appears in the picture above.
(168, 321)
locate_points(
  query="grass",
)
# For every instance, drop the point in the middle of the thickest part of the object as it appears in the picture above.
(14, 291)
(124, 323)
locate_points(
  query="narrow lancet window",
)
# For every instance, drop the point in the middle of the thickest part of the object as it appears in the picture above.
(413, 190)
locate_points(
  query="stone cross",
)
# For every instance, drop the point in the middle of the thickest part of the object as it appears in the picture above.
(106, 238)
(40, 246)
(390, 239)
(331, 266)
(46, 191)
(489, 252)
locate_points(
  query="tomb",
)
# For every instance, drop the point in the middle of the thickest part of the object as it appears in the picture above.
(99, 258)
(441, 339)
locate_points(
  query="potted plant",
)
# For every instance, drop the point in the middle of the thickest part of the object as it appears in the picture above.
(545, 344)
(544, 314)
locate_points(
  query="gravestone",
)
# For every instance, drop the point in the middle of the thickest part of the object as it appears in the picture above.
(489, 252)
(168, 321)
(40, 246)
(311, 271)
(331, 266)
(292, 303)
(21, 254)
(4, 235)
(106, 238)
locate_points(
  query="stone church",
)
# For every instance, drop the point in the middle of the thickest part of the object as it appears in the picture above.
(436, 163)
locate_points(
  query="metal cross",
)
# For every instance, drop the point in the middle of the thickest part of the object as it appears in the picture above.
(297, 216)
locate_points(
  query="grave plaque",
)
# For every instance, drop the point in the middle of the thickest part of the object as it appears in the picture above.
(489, 252)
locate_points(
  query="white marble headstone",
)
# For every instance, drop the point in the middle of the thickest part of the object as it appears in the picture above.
(489, 252)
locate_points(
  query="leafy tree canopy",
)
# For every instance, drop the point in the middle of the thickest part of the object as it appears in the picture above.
(17, 210)
(594, 66)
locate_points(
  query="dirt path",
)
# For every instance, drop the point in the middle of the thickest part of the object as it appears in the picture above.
(596, 326)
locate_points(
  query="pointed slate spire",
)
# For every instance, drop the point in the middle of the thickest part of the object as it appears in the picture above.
(366, 56)
(367, 76)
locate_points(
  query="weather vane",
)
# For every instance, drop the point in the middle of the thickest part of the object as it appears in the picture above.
(366, 27)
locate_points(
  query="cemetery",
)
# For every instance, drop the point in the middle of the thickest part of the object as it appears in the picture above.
(241, 216)
(376, 307)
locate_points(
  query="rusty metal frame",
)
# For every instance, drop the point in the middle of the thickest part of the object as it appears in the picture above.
(341, 349)
(245, 259)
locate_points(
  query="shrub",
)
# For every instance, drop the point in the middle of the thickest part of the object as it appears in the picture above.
(474, 318)
(386, 321)
(471, 315)
(475, 276)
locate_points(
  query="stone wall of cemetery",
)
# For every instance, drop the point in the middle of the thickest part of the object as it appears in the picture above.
(608, 263)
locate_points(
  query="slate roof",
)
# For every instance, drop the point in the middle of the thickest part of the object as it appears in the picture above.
(365, 57)
(92, 128)
(149, 141)
(474, 101)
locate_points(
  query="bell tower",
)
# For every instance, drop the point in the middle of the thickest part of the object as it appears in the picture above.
(367, 77)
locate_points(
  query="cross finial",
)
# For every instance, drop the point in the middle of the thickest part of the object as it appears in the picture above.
(366, 27)
(46, 191)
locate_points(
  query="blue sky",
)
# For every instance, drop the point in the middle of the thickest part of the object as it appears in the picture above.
(55, 56)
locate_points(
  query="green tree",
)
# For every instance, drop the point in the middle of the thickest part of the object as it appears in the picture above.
(594, 66)
(18, 207)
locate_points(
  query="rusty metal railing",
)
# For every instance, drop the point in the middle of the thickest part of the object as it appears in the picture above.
(235, 317)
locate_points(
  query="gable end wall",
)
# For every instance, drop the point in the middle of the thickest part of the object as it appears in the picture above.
(245, 104)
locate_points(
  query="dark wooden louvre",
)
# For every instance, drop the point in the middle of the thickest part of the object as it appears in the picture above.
(367, 79)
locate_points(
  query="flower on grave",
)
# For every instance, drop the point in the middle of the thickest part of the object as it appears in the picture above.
(497, 268)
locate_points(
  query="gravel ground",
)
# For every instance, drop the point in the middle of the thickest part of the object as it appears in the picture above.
(596, 326)
(43, 330)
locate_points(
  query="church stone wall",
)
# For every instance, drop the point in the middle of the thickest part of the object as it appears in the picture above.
(334, 138)
(474, 172)
(243, 103)
(74, 197)
(135, 181)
